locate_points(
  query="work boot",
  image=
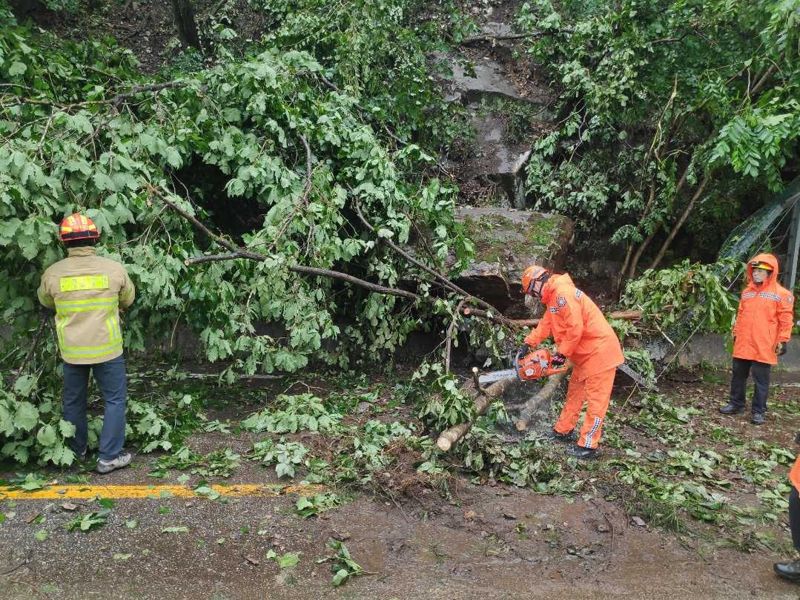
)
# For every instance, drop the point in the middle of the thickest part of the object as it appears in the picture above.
(731, 409)
(788, 570)
(581, 452)
(106, 466)
(758, 419)
(567, 438)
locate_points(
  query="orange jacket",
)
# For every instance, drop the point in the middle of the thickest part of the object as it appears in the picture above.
(765, 316)
(579, 329)
(794, 474)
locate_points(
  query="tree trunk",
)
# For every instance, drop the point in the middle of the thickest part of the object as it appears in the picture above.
(643, 246)
(679, 224)
(183, 12)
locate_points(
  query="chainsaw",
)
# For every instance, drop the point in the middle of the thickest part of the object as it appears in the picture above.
(530, 367)
(538, 364)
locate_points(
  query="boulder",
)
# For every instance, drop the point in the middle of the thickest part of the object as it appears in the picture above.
(506, 242)
(499, 160)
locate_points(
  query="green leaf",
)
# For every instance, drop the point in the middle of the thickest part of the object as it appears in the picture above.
(17, 68)
(46, 435)
(175, 529)
(288, 560)
(340, 577)
(41, 535)
(25, 385)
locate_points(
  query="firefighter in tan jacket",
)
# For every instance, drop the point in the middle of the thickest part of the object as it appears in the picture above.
(87, 292)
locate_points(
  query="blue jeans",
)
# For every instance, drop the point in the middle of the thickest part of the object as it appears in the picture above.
(113, 383)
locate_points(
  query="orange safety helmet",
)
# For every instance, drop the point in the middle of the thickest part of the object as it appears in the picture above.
(533, 275)
(78, 227)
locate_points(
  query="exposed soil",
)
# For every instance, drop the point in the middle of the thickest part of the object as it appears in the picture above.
(488, 542)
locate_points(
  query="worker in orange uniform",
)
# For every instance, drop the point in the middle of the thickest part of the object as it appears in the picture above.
(762, 328)
(87, 292)
(583, 336)
(791, 570)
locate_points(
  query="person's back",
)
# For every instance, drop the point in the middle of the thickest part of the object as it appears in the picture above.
(598, 348)
(87, 291)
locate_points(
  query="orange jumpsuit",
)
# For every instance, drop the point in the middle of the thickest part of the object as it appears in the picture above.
(583, 335)
(765, 316)
(794, 474)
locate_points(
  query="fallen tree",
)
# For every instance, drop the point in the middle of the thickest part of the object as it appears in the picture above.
(483, 398)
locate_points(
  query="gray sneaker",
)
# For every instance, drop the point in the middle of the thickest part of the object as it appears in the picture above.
(106, 466)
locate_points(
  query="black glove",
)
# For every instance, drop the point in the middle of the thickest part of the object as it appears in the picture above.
(797, 438)
(558, 359)
(523, 350)
(780, 349)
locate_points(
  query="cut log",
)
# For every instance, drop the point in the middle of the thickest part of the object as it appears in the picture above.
(484, 398)
(542, 396)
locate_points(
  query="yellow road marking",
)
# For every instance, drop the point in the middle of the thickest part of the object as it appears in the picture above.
(155, 492)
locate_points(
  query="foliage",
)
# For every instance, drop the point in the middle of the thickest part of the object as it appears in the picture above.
(657, 98)
(311, 506)
(284, 455)
(523, 464)
(32, 430)
(641, 362)
(227, 143)
(343, 566)
(284, 561)
(89, 521)
(302, 412)
(218, 463)
(379, 52)
(439, 398)
(683, 298)
(259, 145)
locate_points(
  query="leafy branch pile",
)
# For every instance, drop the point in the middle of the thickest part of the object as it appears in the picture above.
(278, 148)
(670, 114)
(685, 297)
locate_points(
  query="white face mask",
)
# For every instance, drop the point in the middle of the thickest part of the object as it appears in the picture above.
(760, 275)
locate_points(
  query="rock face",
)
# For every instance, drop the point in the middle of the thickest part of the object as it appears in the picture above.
(506, 242)
(506, 110)
(485, 78)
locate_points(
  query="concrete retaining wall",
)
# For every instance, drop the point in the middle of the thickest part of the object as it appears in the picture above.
(709, 349)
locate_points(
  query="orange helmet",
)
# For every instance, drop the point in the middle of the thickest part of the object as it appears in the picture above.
(531, 276)
(78, 227)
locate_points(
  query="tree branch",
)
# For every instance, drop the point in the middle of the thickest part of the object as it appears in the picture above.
(450, 332)
(237, 253)
(447, 283)
(680, 222)
(513, 36)
(138, 89)
(625, 315)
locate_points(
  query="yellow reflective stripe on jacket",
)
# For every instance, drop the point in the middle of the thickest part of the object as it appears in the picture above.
(91, 351)
(61, 322)
(83, 282)
(85, 305)
(114, 332)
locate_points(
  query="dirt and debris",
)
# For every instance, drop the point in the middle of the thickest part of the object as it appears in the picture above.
(458, 536)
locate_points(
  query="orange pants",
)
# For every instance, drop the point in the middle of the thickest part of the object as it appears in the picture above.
(595, 392)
